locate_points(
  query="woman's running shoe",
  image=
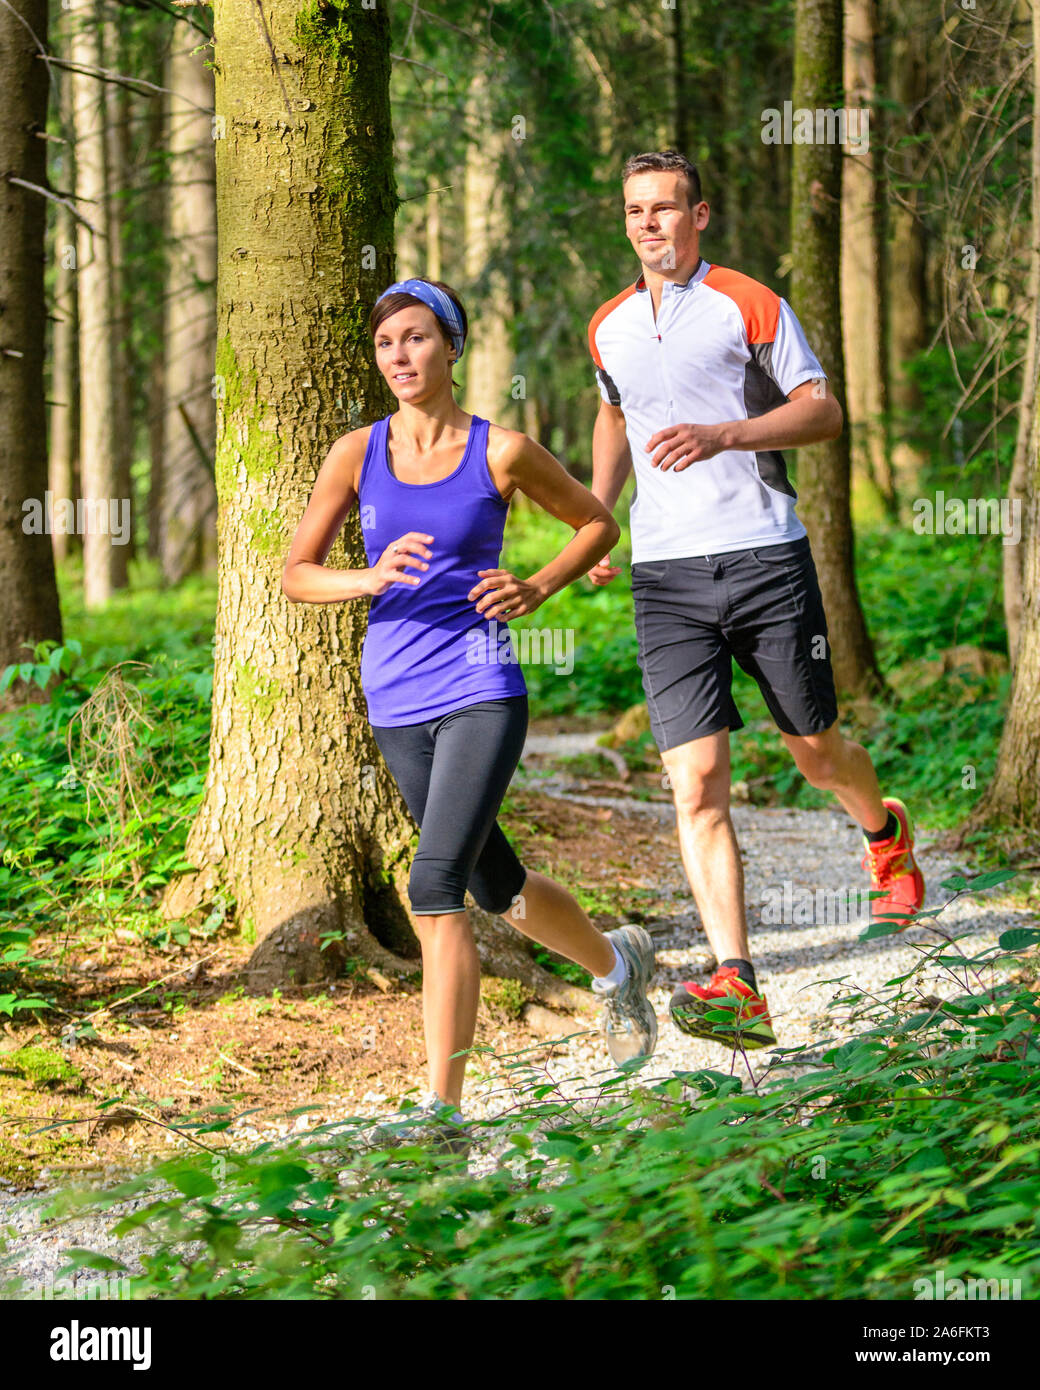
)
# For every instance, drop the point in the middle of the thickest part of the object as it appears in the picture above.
(893, 871)
(629, 1022)
(431, 1123)
(725, 1010)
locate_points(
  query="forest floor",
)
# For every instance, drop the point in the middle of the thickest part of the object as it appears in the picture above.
(287, 1062)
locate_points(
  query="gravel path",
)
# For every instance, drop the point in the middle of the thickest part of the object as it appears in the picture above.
(811, 850)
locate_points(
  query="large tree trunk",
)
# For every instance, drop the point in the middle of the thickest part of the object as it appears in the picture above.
(862, 242)
(29, 612)
(116, 99)
(907, 261)
(63, 404)
(301, 821)
(188, 508)
(824, 469)
(1025, 443)
(101, 564)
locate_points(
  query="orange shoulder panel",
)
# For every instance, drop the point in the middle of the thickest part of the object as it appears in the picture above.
(759, 305)
(598, 317)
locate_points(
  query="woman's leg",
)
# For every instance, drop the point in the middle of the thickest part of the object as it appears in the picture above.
(451, 992)
(451, 969)
(548, 914)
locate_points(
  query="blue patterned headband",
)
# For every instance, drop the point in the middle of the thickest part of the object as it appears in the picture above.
(436, 300)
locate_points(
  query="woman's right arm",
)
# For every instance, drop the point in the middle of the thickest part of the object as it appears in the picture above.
(305, 578)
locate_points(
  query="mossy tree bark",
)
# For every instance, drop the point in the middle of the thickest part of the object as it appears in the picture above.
(823, 474)
(301, 820)
(30, 610)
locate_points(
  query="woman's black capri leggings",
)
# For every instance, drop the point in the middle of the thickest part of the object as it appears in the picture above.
(453, 772)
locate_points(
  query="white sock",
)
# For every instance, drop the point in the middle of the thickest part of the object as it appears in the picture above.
(616, 977)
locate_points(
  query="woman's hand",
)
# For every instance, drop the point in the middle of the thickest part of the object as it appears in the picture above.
(399, 555)
(501, 594)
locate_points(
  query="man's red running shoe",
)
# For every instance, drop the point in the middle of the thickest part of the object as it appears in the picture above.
(746, 1021)
(894, 871)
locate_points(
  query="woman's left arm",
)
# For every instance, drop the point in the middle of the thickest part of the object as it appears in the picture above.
(517, 462)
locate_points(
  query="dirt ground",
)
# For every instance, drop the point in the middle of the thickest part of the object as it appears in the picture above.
(194, 1042)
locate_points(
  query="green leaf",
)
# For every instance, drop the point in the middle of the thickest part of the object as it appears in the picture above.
(990, 880)
(1018, 938)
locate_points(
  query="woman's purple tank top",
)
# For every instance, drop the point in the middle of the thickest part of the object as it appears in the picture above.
(428, 651)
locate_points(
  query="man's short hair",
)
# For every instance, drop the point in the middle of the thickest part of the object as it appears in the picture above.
(666, 161)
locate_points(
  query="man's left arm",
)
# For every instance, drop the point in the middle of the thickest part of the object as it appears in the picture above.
(809, 415)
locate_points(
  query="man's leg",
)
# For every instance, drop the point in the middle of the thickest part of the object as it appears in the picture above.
(699, 773)
(778, 630)
(833, 763)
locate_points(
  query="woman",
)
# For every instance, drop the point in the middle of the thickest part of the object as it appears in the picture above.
(446, 701)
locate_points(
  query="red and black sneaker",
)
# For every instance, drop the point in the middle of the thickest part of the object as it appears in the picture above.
(894, 871)
(725, 1010)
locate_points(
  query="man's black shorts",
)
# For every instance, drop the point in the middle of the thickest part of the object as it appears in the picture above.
(761, 606)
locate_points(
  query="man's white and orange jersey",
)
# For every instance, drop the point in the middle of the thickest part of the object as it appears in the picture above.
(723, 347)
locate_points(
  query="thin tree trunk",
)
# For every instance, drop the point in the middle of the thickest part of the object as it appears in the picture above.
(488, 362)
(681, 106)
(433, 230)
(1025, 442)
(862, 240)
(301, 822)
(63, 405)
(1012, 798)
(117, 124)
(907, 260)
(101, 567)
(824, 469)
(29, 612)
(157, 199)
(189, 503)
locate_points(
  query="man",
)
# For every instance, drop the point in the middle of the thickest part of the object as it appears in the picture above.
(705, 375)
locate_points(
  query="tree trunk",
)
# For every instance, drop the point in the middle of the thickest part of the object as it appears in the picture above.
(433, 229)
(116, 99)
(301, 821)
(824, 469)
(1025, 442)
(862, 287)
(488, 363)
(189, 503)
(30, 611)
(1012, 798)
(157, 198)
(682, 132)
(907, 259)
(63, 403)
(101, 565)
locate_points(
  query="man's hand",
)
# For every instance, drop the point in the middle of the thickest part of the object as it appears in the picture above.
(604, 572)
(680, 445)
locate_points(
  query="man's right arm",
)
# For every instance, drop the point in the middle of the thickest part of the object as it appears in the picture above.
(611, 465)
